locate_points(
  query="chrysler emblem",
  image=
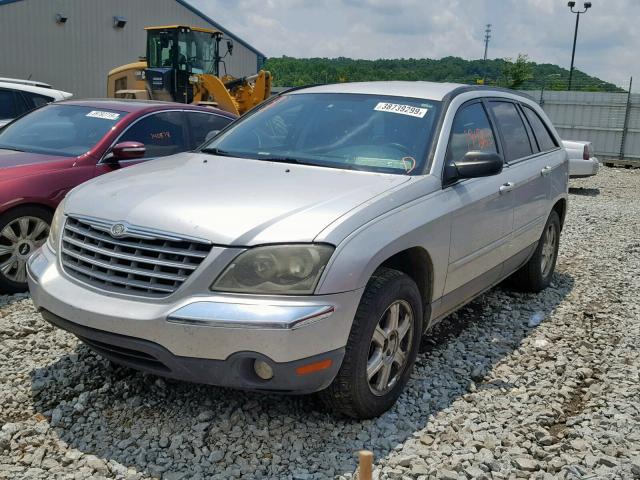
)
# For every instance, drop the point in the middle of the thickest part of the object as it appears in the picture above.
(118, 230)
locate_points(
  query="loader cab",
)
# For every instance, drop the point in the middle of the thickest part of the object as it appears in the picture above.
(176, 54)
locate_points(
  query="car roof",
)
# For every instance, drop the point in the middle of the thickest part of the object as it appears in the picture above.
(23, 87)
(20, 81)
(413, 89)
(136, 106)
(418, 89)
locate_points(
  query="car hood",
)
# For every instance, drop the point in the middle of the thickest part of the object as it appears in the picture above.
(11, 158)
(229, 201)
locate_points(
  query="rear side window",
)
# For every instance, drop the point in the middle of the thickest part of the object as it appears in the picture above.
(471, 131)
(204, 126)
(516, 141)
(34, 100)
(7, 105)
(161, 133)
(541, 132)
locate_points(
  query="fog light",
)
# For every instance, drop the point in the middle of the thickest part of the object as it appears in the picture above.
(263, 369)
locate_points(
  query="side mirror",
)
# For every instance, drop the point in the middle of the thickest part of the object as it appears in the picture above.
(474, 164)
(126, 151)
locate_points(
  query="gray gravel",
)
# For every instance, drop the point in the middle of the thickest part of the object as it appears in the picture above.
(493, 396)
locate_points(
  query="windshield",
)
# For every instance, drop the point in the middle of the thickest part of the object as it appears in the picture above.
(351, 131)
(193, 51)
(65, 130)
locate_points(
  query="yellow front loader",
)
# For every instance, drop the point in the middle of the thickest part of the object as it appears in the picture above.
(183, 65)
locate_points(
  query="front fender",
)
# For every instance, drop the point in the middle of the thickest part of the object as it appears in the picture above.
(424, 222)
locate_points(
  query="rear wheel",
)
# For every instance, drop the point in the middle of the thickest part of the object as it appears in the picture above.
(381, 349)
(22, 231)
(536, 274)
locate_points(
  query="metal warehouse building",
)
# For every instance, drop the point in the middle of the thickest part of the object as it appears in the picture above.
(75, 55)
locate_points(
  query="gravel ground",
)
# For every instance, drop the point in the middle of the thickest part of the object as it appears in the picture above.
(493, 395)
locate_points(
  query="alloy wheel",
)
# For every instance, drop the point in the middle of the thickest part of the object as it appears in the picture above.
(390, 347)
(548, 249)
(18, 240)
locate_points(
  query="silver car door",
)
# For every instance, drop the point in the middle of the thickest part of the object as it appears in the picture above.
(531, 167)
(482, 211)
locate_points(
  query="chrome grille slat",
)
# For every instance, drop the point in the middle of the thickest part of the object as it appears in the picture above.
(99, 236)
(123, 256)
(151, 266)
(119, 268)
(106, 278)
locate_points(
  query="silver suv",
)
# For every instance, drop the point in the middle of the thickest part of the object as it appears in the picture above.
(309, 246)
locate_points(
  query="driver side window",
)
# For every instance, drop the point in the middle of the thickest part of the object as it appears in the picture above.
(161, 133)
(471, 131)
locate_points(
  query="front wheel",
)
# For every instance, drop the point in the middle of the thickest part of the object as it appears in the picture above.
(381, 349)
(536, 274)
(22, 232)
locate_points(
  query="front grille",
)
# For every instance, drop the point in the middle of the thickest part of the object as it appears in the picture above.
(140, 262)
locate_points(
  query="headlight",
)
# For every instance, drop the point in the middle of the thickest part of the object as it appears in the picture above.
(56, 227)
(275, 269)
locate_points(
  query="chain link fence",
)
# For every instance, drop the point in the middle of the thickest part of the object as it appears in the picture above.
(611, 121)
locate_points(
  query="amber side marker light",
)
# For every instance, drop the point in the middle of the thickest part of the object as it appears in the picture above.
(314, 367)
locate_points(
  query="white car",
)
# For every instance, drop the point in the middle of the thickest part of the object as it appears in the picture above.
(581, 163)
(21, 96)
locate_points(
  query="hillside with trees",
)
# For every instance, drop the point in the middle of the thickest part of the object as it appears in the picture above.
(519, 73)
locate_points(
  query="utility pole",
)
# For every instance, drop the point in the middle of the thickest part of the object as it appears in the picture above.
(587, 6)
(487, 36)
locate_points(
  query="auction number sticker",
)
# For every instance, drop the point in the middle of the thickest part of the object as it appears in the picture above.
(103, 115)
(401, 109)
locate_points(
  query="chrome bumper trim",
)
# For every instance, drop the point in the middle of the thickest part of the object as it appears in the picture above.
(239, 315)
(36, 264)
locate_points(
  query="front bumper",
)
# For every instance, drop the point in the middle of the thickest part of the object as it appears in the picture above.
(205, 338)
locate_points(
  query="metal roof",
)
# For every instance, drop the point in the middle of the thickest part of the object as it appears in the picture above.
(199, 13)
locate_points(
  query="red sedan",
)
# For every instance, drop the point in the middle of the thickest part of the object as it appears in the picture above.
(47, 152)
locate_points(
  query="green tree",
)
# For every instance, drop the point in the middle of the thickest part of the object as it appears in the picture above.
(523, 74)
(516, 73)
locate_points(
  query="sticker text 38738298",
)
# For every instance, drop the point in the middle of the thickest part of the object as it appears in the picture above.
(401, 109)
(104, 115)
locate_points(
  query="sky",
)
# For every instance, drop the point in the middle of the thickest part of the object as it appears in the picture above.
(608, 39)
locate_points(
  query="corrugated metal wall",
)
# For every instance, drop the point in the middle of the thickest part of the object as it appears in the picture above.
(77, 55)
(598, 117)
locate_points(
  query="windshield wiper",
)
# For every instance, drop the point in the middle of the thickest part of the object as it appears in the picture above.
(217, 151)
(283, 160)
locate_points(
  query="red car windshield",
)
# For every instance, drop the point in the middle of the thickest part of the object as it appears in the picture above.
(64, 130)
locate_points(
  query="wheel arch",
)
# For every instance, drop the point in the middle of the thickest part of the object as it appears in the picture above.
(13, 207)
(416, 263)
(560, 207)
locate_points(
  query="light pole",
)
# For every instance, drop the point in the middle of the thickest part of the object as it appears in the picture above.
(587, 6)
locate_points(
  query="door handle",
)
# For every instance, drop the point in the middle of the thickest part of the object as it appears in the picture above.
(546, 171)
(506, 187)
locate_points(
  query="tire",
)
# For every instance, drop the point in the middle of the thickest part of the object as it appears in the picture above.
(352, 392)
(17, 244)
(536, 274)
